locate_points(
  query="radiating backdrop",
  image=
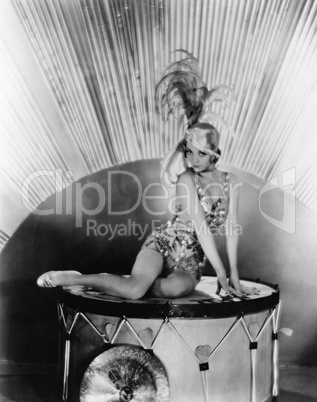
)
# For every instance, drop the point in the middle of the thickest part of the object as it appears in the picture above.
(78, 79)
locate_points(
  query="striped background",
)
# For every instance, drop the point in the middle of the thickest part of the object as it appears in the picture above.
(101, 59)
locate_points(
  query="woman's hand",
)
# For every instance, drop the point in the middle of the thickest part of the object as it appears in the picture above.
(222, 283)
(234, 282)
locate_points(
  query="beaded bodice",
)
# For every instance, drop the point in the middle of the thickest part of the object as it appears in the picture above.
(217, 212)
(177, 240)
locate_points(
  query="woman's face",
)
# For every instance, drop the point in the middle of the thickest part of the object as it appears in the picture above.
(198, 159)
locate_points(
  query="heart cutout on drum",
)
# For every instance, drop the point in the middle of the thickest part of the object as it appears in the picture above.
(254, 328)
(146, 336)
(109, 329)
(203, 352)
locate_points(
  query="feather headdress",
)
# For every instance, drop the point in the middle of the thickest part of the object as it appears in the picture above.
(182, 93)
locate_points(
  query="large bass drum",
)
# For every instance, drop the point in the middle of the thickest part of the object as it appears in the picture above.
(198, 348)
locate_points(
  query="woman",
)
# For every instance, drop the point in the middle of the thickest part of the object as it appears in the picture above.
(173, 257)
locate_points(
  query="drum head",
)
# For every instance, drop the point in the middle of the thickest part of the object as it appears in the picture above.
(203, 302)
(125, 373)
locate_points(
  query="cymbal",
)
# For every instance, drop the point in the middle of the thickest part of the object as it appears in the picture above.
(125, 373)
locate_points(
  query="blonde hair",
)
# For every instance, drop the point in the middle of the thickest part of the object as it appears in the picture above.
(203, 136)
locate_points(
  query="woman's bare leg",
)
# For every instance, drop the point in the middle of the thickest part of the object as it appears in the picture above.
(176, 284)
(146, 269)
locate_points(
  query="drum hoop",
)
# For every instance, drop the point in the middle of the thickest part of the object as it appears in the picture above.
(147, 310)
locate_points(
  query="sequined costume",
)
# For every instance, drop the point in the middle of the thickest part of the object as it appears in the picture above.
(177, 240)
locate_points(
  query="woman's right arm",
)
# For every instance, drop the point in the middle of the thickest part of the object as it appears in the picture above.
(188, 199)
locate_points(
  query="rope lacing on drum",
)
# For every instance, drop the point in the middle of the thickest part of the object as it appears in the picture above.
(166, 320)
(124, 320)
(275, 349)
(253, 349)
(203, 372)
(78, 315)
(118, 329)
(68, 331)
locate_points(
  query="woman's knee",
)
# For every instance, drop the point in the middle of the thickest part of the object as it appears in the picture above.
(136, 290)
(180, 284)
(147, 268)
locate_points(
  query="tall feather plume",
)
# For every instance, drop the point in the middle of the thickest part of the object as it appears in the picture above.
(182, 93)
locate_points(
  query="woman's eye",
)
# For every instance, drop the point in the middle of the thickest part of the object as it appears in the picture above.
(202, 154)
(188, 151)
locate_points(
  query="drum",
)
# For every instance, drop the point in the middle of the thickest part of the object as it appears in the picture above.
(198, 348)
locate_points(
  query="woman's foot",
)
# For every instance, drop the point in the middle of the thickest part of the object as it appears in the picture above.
(52, 279)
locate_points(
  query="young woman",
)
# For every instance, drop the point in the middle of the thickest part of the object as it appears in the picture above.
(172, 259)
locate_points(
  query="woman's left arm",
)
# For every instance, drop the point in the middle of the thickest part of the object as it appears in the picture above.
(232, 234)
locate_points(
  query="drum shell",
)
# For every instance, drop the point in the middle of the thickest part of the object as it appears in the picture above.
(174, 342)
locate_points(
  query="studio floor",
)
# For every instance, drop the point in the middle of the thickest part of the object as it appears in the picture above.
(26, 384)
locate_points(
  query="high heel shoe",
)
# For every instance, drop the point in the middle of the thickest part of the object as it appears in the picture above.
(45, 280)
